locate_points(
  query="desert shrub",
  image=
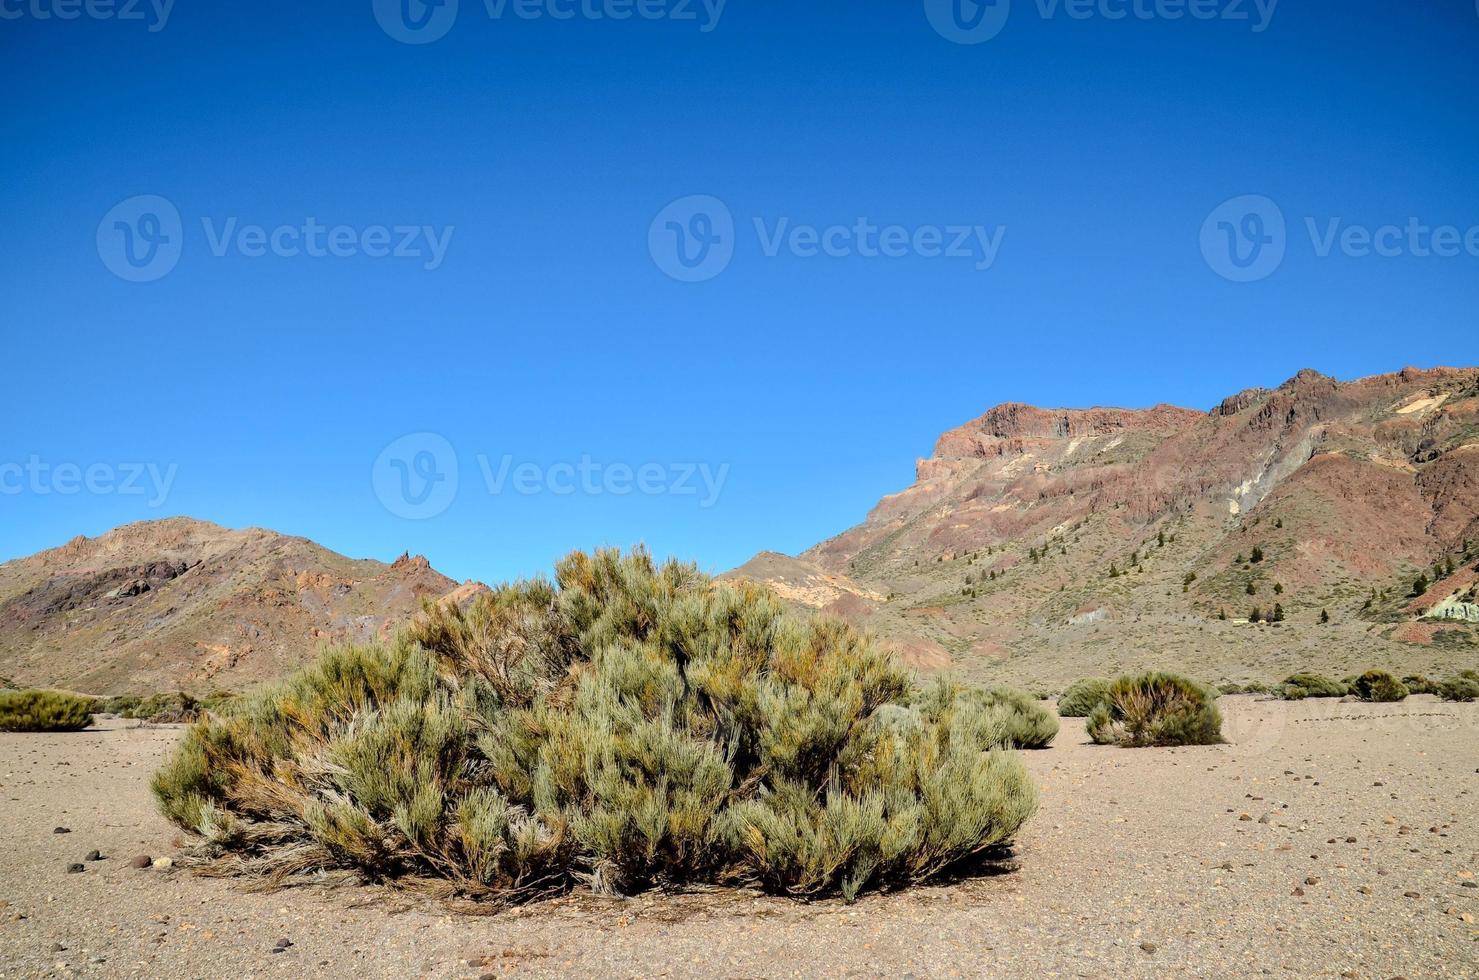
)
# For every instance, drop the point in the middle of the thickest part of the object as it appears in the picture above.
(1002, 716)
(1459, 687)
(627, 725)
(44, 711)
(160, 709)
(1378, 685)
(1419, 684)
(1082, 697)
(119, 704)
(1246, 687)
(1156, 709)
(1297, 687)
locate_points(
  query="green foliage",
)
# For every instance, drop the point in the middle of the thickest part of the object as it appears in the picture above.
(1004, 717)
(1156, 709)
(1082, 697)
(1306, 684)
(629, 725)
(1256, 556)
(44, 711)
(1419, 684)
(159, 709)
(1463, 686)
(1378, 685)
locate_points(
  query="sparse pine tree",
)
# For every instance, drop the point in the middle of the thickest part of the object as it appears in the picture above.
(1324, 616)
(1278, 588)
(1420, 585)
(1113, 572)
(1252, 589)
(1257, 555)
(1160, 539)
(1279, 522)
(1222, 615)
(1238, 560)
(1277, 616)
(1256, 616)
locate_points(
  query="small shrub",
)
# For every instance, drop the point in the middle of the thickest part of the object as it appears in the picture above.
(1083, 697)
(44, 711)
(119, 704)
(159, 709)
(1419, 684)
(1378, 685)
(1156, 709)
(1297, 687)
(628, 726)
(1459, 688)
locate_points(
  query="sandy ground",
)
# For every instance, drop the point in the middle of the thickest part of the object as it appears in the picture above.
(1357, 858)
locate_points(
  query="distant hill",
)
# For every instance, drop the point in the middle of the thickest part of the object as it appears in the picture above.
(1037, 545)
(185, 604)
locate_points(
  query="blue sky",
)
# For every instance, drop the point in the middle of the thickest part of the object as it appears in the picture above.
(530, 326)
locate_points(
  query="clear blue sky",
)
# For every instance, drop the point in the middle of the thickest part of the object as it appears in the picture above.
(269, 385)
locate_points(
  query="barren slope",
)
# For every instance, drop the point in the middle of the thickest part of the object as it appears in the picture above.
(184, 604)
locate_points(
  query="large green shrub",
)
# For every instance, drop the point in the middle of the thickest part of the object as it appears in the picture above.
(626, 726)
(1156, 709)
(1378, 685)
(1297, 687)
(1083, 697)
(44, 711)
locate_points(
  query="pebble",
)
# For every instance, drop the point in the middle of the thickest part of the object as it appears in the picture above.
(1148, 947)
(61, 830)
(164, 864)
(75, 868)
(94, 856)
(1411, 895)
(142, 861)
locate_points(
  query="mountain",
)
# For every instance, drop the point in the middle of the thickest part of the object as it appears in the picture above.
(181, 604)
(1039, 545)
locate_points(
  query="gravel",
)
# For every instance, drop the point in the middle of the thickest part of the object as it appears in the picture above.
(1138, 865)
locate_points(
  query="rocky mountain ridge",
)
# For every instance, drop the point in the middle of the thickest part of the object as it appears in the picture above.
(1036, 544)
